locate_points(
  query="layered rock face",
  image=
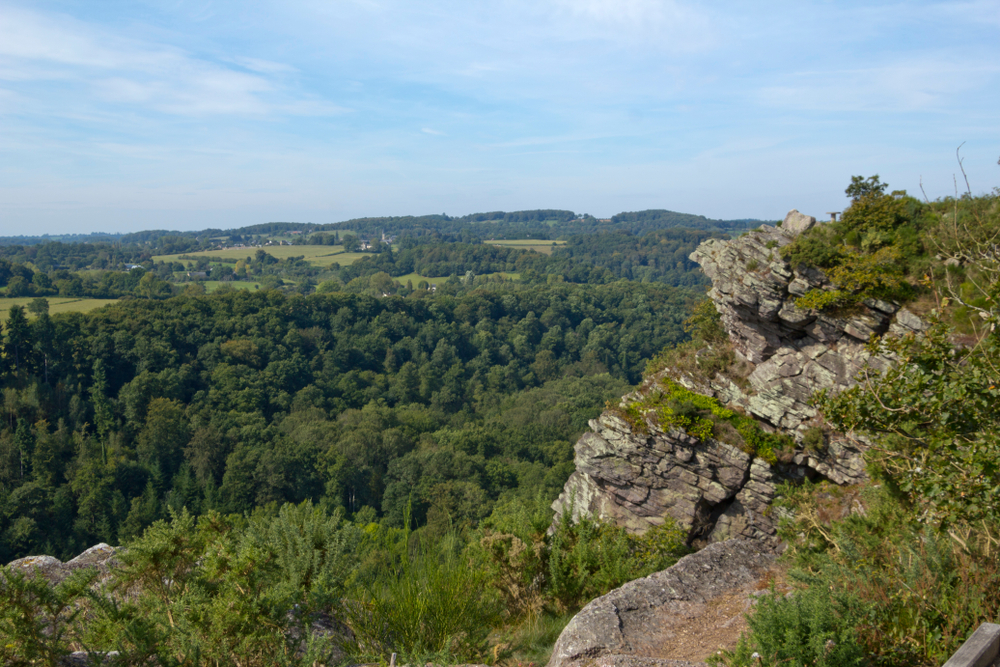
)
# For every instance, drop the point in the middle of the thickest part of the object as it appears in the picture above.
(712, 488)
(636, 481)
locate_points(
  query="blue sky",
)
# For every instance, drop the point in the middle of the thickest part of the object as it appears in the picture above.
(118, 116)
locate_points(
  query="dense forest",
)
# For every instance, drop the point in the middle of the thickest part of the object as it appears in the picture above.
(595, 258)
(416, 435)
(233, 401)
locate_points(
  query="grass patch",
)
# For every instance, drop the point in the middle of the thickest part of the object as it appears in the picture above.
(416, 278)
(438, 280)
(671, 406)
(318, 255)
(212, 285)
(56, 305)
(532, 640)
(544, 247)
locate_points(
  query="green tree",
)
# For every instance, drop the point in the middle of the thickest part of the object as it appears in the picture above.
(43, 334)
(18, 344)
(862, 187)
(350, 243)
(163, 436)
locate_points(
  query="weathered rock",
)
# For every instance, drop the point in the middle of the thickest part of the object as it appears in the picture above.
(795, 351)
(715, 490)
(796, 223)
(609, 630)
(100, 556)
(637, 481)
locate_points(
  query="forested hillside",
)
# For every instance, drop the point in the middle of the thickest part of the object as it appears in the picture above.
(538, 224)
(588, 258)
(238, 400)
(102, 271)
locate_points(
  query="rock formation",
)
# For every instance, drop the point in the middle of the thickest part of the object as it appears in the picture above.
(100, 556)
(618, 628)
(714, 489)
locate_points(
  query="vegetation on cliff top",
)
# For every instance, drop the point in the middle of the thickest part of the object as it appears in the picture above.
(280, 586)
(901, 571)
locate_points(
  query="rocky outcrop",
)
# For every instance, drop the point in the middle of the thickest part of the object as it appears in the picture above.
(637, 481)
(712, 488)
(794, 351)
(100, 556)
(796, 223)
(619, 627)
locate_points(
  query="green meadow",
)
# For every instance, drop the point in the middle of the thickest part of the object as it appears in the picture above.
(56, 305)
(318, 255)
(212, 285)
(544, 247)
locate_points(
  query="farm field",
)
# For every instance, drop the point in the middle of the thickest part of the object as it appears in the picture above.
(212, 285)
(319, 255)
(416, 278)
(544, 247)
(57, 305)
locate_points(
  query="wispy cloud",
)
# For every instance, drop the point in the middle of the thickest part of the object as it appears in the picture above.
(117, 70)
(436, 133)
(263, 66)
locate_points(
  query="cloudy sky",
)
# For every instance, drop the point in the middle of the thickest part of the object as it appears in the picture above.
(186, 114)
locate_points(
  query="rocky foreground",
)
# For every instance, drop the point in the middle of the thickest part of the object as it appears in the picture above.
(642, 623)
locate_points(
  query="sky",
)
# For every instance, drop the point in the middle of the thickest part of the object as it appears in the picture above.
(120, 116)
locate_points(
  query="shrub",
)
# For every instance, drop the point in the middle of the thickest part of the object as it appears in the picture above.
(674, 406)
(858, 277)
(911, 593)
(814, 440)
(210, 591)
(808, 628)
(819, 247)
(37, 621)
(436, 606)
(577, 562)
(705, 323)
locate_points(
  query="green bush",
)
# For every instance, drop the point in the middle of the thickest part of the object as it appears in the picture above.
(814, 440)
(578, 561)
(675, 406)
(806, 628)
(911, 593)
(861, 276)
(437, 606)
(217, 590)
(38, 621)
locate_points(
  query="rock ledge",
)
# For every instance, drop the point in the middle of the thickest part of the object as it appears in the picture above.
(611, 629)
